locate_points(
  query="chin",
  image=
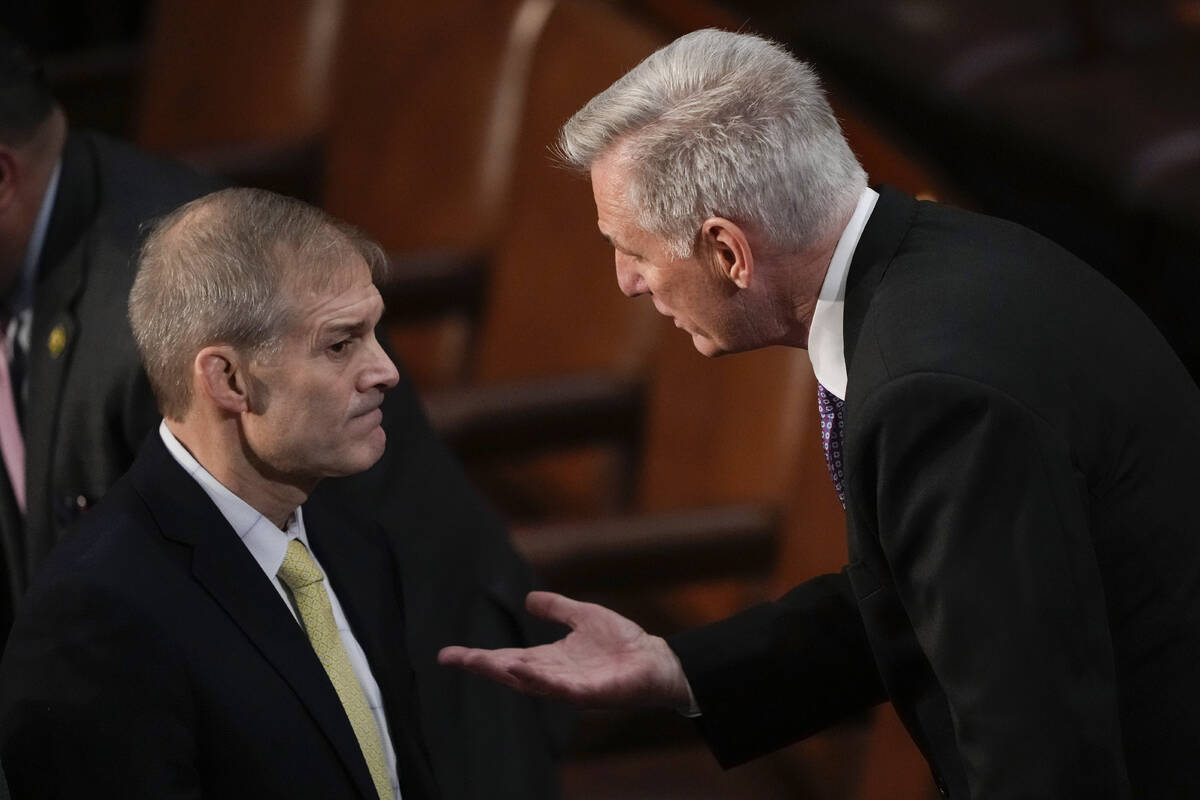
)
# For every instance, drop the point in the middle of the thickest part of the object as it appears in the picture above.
(707, 347)
(362, 456)
(373, 448)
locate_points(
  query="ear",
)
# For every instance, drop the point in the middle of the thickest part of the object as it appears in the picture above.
(217, 373)
(729, 249)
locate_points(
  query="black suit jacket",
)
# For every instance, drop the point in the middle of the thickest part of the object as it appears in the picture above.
(155, 659)
(90, 407)
(1021, 454)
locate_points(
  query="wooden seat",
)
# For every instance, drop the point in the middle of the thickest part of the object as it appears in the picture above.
(411, 140)
(439, 146)
(241, 88)
(553, 305)
(418, 154)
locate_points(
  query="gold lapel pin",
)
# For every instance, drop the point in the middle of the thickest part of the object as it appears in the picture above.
(57, 341)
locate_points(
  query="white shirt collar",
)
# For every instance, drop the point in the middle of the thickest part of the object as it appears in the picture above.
(267, 543)
(826, 342)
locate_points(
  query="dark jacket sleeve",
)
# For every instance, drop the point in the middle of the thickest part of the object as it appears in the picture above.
(780, 671)
(93, 703)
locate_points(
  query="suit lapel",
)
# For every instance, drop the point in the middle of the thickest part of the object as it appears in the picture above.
(225, 568)
(61, 277)
(12, 545)
(360, 567)
(889, 222)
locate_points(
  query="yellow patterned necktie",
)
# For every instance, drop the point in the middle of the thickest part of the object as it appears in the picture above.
(304, 578)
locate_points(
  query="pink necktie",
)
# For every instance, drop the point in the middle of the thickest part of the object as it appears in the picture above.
(12, 444)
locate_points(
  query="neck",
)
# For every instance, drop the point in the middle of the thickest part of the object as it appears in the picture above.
(807, 271)
(219, 446)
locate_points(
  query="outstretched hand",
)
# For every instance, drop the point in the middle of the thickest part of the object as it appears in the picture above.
(606, 661)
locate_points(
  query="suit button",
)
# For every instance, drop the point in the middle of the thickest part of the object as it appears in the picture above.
(70, 507)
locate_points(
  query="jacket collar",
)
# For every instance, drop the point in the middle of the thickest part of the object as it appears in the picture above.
(886, 229)
(75, 205)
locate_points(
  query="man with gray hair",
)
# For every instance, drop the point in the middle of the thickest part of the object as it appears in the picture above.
(214, 628)
(1013, 441)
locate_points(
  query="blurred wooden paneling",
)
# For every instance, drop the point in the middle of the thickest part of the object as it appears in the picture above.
(554, 304)
(223, 71)
(415, 90)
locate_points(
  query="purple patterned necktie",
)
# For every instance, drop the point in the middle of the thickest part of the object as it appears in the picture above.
(832, 434)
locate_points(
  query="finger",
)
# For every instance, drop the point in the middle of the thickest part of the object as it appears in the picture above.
(495, 665)
(452, 656)
(554, 607)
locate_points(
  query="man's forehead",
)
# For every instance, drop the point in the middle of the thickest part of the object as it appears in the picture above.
(331, 272)
(313, 298)
(611, 196)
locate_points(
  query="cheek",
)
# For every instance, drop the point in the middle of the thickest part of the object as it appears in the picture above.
(303, 419)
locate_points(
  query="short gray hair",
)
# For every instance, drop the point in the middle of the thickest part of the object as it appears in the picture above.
(722, 124)
(225, 269)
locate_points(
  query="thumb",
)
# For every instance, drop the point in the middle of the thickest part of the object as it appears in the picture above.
(555, 607)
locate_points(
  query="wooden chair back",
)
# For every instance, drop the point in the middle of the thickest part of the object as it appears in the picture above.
(554, 305)
(412, 134)
(221, 71)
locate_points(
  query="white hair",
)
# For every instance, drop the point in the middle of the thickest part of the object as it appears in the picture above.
(722, 124)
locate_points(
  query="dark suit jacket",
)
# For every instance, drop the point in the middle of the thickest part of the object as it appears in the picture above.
(90, 407)
(462, 582)
(154, 659)
(1021, 456)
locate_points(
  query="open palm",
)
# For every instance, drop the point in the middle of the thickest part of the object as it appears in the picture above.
(606, 661)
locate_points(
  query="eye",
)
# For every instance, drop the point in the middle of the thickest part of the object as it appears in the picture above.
(341, 346)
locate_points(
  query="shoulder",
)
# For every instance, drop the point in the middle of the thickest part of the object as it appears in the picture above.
(992, 302)
(115, 551)
(131, 188)
(104, 544)
(135, 186)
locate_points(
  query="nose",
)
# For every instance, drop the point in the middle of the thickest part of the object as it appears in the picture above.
(629, 276)
(380, 373)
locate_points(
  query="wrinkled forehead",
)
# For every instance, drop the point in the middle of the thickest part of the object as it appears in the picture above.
(330, 266)
(611, 185)
(314, 282)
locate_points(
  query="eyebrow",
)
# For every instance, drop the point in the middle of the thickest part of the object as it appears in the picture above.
(617, 245)
(337, 329)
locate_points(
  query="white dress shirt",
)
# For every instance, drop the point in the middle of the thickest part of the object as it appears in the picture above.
(826, 340)
(268, 545)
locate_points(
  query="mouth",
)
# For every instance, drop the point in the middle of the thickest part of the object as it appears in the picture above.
(374, 415)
